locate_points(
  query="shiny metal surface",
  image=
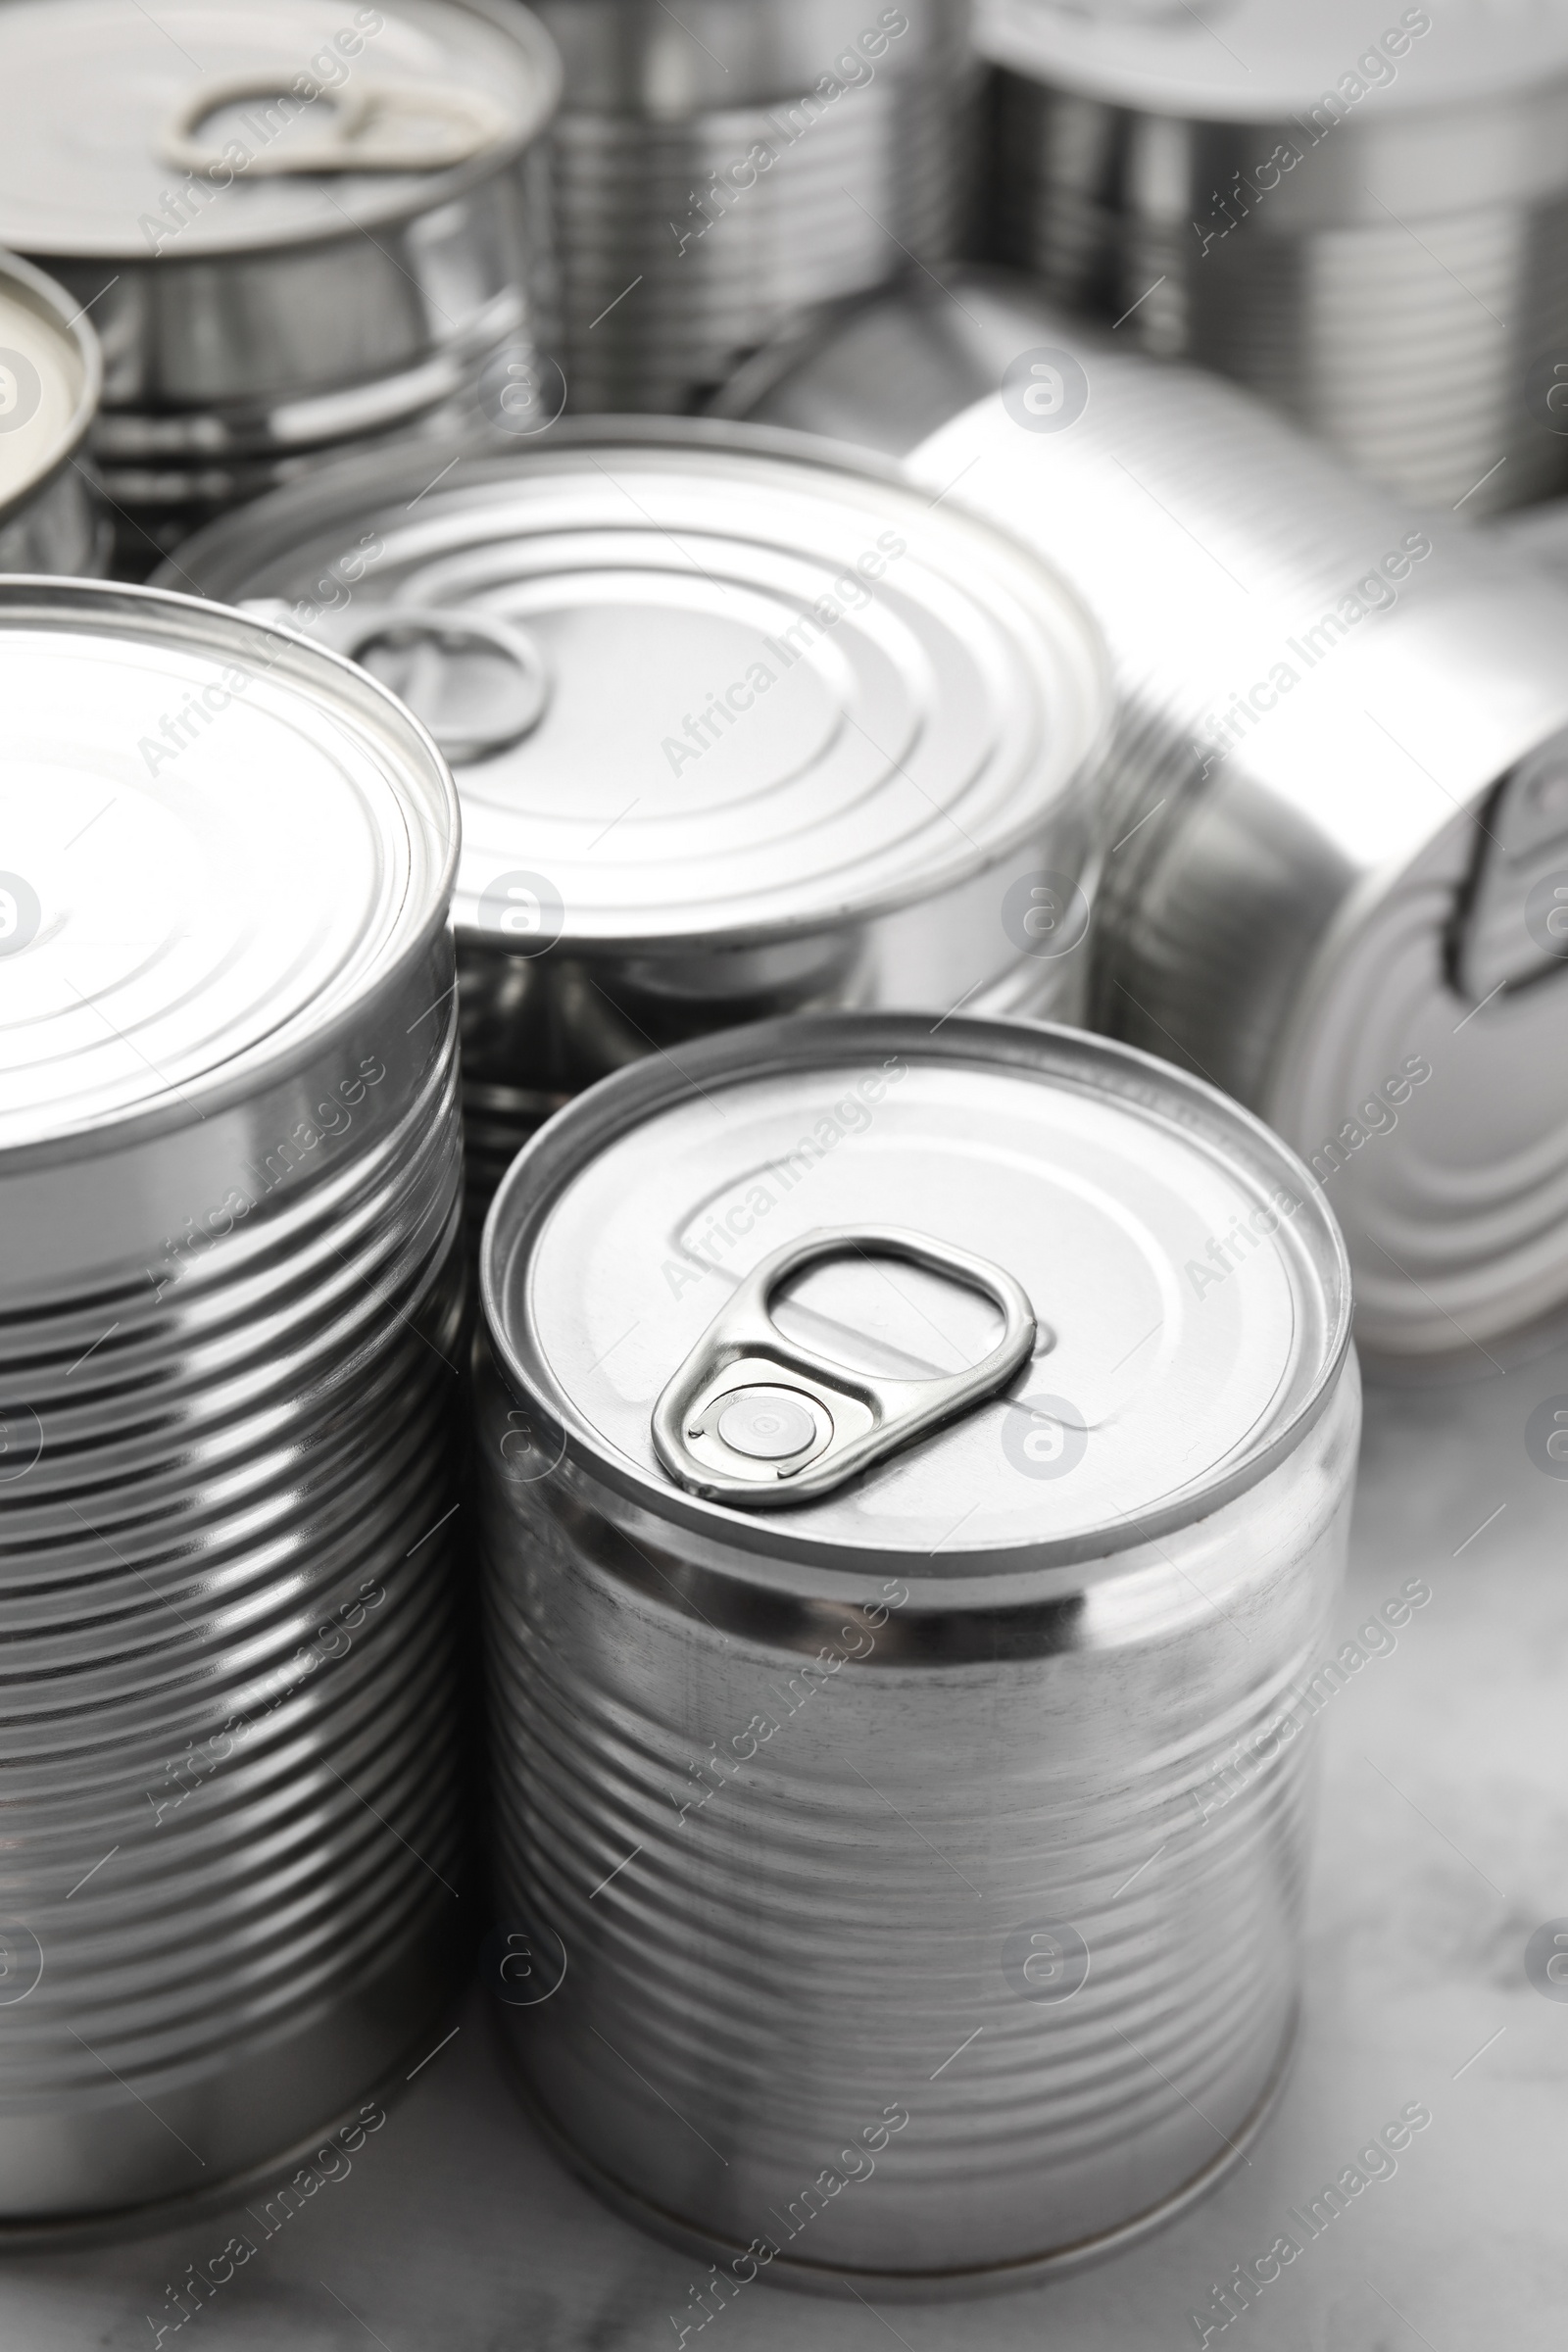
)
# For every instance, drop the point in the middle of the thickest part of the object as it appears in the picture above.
(251, 314)
(792, 738)
(1323, 695)
(1356, 211)
(884, 1868)
(51, 375)
(719, 164)
(233, 1286)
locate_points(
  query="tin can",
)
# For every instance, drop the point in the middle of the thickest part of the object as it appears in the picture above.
(300, 227)
(903, 1639)
(1367, 962)
(51, 371)
(739, 727)
(718, 165)
(232, 1285)
(1354, 210)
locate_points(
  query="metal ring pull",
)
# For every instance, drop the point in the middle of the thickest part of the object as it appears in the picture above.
(371, 126)
(435, 634)
(753, 1418)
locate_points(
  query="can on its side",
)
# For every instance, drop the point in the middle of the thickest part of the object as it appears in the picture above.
(741, 727)
(903, 1882)
(299, 228)
(1332, 832)
(233, 1289)
(718, 165)
(52, 518)
(1356, 212)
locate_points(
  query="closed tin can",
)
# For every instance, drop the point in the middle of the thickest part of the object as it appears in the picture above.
(1356, 211)
(298, 227)
(1331, 816)
(233, 1286)
(718, 165)
(916, 1476)
(739, 728)
(51, 516)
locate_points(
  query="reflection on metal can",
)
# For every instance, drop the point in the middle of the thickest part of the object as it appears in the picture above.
(738, 730)
(233, 1289)
(1360, 219)
(52, 518)
(298, 228)
(918, 1846)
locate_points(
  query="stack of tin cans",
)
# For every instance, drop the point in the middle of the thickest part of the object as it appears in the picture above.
(296, 228)
(1356, 210)
(718, 165)
(1327, 831)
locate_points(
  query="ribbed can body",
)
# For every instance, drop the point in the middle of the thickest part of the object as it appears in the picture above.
(1396, 285)
(688, 229)
(228, 1773)
(916, 1938)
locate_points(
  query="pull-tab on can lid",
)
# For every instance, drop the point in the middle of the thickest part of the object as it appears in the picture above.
(1188, 1289)
(214, 838)
(779, 691)
(95, 96)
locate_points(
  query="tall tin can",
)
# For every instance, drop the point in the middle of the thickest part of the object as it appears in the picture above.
(917, 1479)
(300, 227)
(718, 165)
(52, 518)
(741, 727)
(232, 1317)
(1356, 210)
(1331, 812)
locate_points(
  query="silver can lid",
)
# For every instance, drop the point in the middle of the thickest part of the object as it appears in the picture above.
(1257, 61)
(129, 133)
(1188, 1290)
(216, 840)
(50, 377)
(696, 682)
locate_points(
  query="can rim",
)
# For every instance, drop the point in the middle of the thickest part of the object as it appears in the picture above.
(75, 322)
(250, 1071)
(516, 24)
(478, 458)
(604, 1113)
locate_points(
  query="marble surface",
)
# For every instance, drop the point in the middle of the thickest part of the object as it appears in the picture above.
(1443, 1845)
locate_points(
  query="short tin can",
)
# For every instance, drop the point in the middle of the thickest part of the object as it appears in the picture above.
(718, 165)
(740, 726)
(1355, 208)
(52, 518)
(233, 1287)
(297, 226)
(917, 1472)
(1332, 835)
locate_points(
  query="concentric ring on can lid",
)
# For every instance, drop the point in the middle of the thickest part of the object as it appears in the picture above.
(51, 374)
(782, 690)
(1259, 60)
(1190, 1292)
(217, 838)
(90, 91)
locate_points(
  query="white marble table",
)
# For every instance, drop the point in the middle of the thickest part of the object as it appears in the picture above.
(1443, 1845)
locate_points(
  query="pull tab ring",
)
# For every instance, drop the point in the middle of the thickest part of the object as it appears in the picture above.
(437, 632)
(371, 127)
(753, 1418)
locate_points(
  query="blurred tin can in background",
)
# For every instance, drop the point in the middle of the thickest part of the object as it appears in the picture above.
(231, 1280)
(1359, 211)
(740, 726)
(51, 374)
(297, 228)
(718, 165)
(916, 1471)
(1333, 823)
